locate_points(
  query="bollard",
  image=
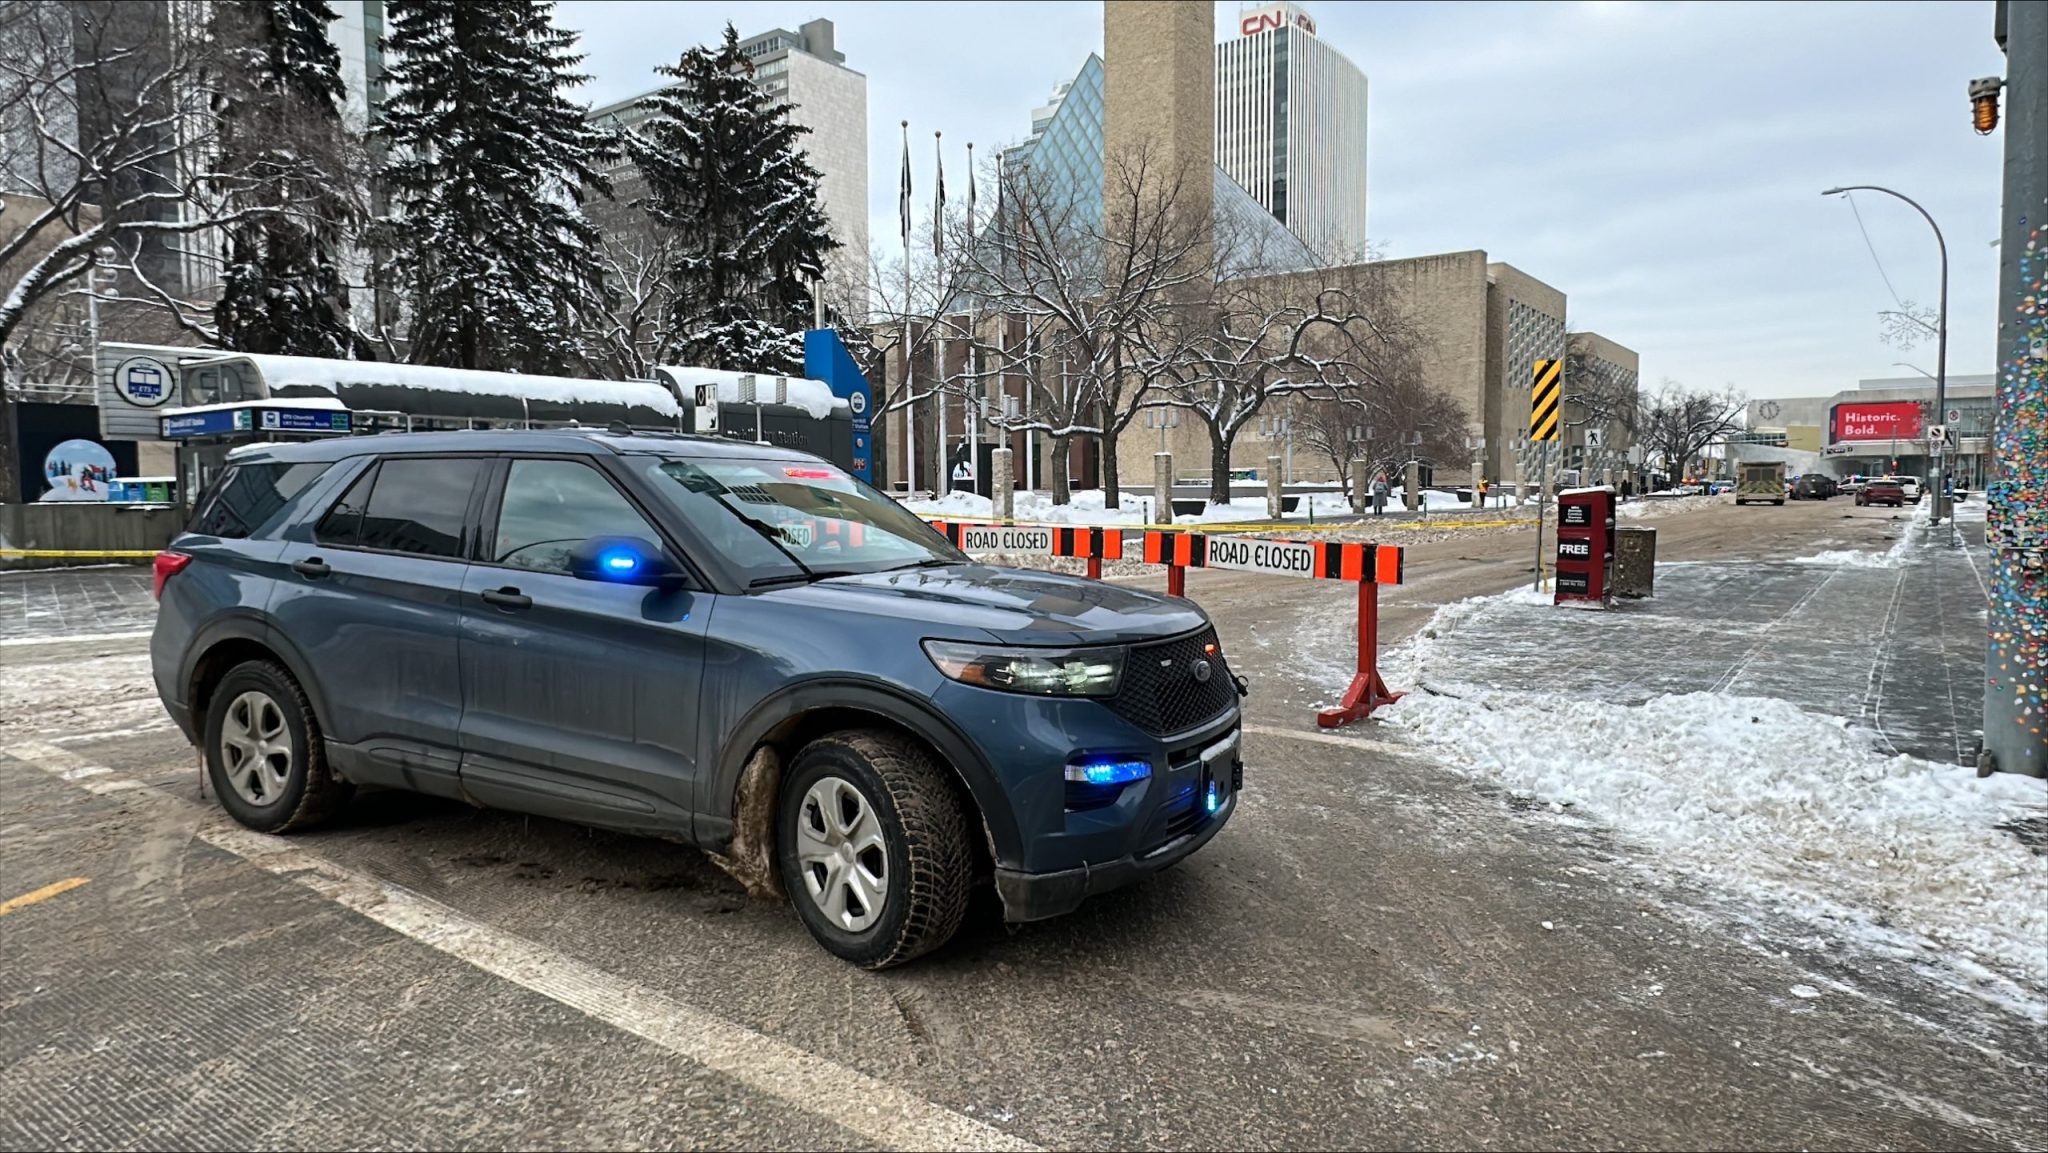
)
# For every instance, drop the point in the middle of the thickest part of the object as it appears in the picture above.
(1162, 487)
(1411, 486)
(999, 484)
(1274, 508)
(1360, 486)
(1521, 482)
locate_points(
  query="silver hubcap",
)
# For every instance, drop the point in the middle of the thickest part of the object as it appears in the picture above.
(844, 856)
(256, 748)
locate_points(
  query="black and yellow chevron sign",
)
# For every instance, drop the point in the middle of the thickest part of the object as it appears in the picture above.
(1544, 397)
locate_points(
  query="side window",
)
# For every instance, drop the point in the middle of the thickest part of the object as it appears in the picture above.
(343, 523)
(419, 505)
(551, 505)
(249, 495)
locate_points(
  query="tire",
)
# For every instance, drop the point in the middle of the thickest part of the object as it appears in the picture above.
(928, 864)
(1779, 503)
(254, 708)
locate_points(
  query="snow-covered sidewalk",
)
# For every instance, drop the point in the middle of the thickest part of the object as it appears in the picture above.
(1781, 807)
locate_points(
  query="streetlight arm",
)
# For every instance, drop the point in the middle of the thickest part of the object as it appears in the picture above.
(1941, 336)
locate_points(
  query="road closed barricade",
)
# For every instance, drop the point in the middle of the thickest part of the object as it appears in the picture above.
(1094, 545)
(1367, 565)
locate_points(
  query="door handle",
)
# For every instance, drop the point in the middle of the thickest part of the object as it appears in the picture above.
(507, 598)
(312, 567)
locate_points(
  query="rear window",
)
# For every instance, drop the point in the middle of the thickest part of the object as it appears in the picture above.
(250, 495)
(405, 504)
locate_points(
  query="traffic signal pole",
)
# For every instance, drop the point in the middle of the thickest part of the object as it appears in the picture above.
(2016, 655)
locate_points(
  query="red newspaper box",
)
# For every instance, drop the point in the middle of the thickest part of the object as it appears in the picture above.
(1585, 544)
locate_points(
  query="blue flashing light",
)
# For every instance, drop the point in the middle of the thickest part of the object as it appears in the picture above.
(618, 562)
(1107, 770)
(1215, 797)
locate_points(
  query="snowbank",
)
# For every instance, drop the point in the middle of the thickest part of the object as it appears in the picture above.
(1804, 812)
(1892, 557)
(1651, 508)
(1801, 810)
(1087, 508)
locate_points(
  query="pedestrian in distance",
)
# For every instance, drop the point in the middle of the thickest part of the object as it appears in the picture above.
(1379, 494)
(1483, 486)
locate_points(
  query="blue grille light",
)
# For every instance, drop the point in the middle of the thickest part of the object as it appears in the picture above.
(1215, 798)
(1107, 770)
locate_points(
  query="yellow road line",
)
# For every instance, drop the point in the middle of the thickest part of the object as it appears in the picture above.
(53, 889)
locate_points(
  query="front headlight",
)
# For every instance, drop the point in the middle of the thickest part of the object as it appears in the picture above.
(1091, 672)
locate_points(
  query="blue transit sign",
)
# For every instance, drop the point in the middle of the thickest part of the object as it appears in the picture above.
(222, 421)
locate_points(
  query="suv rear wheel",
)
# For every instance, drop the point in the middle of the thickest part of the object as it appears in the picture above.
(872, 838)
(263, 751)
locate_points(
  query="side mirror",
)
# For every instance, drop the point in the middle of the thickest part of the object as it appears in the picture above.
(627, 560)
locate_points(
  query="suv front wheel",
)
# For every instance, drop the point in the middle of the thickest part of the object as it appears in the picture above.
(263, 751)
(872, 838)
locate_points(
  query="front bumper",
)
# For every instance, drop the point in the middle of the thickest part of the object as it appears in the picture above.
(1037, 896)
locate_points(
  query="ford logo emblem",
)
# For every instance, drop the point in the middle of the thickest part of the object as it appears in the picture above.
(1201, 671)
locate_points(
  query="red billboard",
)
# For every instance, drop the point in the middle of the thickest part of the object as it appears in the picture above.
(1896, 420)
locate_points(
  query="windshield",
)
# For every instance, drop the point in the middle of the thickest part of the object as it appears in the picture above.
(788, 520)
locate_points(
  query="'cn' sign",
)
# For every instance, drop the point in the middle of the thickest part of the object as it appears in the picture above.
(1275, 16)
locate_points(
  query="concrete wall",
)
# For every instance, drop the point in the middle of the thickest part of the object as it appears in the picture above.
(85, 528)
(1524, 323)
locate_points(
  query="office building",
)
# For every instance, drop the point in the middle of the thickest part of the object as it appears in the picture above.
(1290, 128)
(806, 70)
(1881, 426)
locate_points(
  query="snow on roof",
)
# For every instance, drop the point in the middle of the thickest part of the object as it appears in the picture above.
(322, 403)
(813, 396)
(1607, 488)
(333, 376)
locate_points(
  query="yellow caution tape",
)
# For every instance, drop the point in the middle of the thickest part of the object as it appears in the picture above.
(69, 552)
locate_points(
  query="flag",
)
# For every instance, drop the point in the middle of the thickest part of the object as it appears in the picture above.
(970, 193)
(904, 206)
(939, 201)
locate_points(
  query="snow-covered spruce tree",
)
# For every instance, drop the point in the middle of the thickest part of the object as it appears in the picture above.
(726, 178)
(279, 105)
(487, 164)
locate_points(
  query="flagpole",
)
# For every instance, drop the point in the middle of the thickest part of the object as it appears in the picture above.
(943, 483)
(909, 362)
(975, 390)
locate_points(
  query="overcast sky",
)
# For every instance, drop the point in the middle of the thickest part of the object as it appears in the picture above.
(1660, 163)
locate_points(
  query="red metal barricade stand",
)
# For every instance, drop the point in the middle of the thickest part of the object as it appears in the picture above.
(1367, 565)
(1094, 545)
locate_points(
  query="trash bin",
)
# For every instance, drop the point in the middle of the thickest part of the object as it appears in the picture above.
(1635, 561)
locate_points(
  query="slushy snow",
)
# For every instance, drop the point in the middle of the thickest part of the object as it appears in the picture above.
(1758, 797)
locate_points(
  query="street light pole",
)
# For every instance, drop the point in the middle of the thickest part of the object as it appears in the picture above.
(1941, 502)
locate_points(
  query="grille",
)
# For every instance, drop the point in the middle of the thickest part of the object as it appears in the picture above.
(1159, 692)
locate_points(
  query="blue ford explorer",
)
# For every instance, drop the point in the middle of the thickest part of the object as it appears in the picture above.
(728, 644)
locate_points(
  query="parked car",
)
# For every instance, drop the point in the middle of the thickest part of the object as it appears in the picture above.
(1910, 485)
(1852, 484)
(1881, 492)
(733, 645)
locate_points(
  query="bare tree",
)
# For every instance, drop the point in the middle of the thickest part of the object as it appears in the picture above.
(1679, 423)
(1396, 419)
(1077, 288)
(1258, 334)
(627, 342)
(106, 137)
